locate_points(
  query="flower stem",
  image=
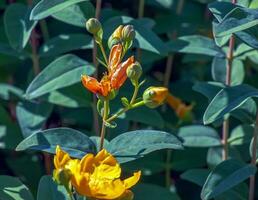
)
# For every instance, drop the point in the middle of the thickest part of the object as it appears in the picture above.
(253, 161)
(131, 106)
(103, 53)
(135, 93)
(103, 129)
(120, 112)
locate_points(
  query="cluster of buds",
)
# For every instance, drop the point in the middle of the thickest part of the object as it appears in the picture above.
(118, 70)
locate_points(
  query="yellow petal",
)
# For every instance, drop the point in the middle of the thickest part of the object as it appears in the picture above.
(106, 166)
(81, 184)
(107, 189)
(61, 158)
(87, 163)
(129, 182)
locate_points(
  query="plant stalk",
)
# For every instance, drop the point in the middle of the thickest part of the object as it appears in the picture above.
(103, 129)
(140, 15)
(225, 128)
(253, 160)
(95, 62)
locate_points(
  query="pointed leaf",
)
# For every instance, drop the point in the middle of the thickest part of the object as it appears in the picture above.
(227, 100)
(74, 142)
(12, 188)
(64, 71)
(135, 144)
(225, 176)
(18, 27)
(46, 8)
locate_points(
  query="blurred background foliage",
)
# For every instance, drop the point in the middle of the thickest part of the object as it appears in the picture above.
(176, 47)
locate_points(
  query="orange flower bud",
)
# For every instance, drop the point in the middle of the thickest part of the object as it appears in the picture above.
(155, 96)
(115, 56)
(119, 76)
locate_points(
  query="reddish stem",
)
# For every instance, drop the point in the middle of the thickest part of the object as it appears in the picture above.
(253, 160)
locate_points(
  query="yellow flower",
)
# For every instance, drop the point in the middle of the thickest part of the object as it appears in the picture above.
(97, 177)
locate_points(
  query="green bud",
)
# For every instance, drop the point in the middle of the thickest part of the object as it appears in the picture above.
(134, 72)
(155, 96)
(63, 177)
(128, 33)
(93, 26)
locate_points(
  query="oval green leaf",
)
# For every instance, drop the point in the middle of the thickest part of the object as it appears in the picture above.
(227, 100)
(49, 190)
(135, 144)
(46, 8)
(64, 71)
(199, 136)
(72, 141)
(225, 176)
(18, 27)
(12, 188)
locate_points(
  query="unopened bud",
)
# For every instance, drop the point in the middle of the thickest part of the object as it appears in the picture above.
(93, 26)
(118, 32)
(155, 96)
(62, 177)
(134, 72)
(116, 37)
(128, 33)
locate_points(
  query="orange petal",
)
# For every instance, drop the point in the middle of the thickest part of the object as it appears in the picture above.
(119, 75)
(115, 56)
(91, 84)
(129, 182)
(173, 101)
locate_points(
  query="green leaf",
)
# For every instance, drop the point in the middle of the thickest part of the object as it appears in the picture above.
(49, 190)
(214, 155)
(135, 144)
(46, 8)
(241, 134)
(197, 176)
(208, 89)
(12, 188)
(74, 14)
(237, 20)
(65, 43)
(227, 100)
(72, 141)
(153, 192)
(32, 116)
(199, 136)
(225, 176)
(8, 92)
(18, 27)
(64, 71)
(75, 96)
(146, 116)
(195, 44)
(219, 71)
(3, 133)
(6, 49)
